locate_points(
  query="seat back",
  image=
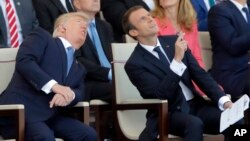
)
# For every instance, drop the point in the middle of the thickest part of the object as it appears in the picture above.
(7, 66)
(129, 39)
(131, 122)
(206, 49)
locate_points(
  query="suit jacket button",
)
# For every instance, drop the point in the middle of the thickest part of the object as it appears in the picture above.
(178, 107)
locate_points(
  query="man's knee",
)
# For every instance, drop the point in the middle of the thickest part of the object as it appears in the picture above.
(195, 123)
(90, 135)
(42, 136)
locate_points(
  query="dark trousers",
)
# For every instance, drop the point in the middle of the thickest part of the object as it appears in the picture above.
(203, 117)
(68, 129)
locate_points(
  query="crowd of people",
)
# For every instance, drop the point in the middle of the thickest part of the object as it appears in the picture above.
(166, 63)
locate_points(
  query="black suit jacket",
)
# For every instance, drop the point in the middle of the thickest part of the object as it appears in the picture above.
(40, 59)
(230, 36)
(47, 11)
(113, 10)
(154, 79)
(87, 54)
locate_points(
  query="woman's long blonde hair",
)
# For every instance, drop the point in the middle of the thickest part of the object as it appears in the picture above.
(186, 15)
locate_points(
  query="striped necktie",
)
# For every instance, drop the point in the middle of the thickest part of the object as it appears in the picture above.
(12, 22)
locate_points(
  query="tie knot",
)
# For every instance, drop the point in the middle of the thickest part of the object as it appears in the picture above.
(157, 49)
(7, 1)
(70, 50)
(244, 9)
(92, 25)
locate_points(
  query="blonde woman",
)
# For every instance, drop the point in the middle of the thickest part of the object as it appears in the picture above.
(174, 16)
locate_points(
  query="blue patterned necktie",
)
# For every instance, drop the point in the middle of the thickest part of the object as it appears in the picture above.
(244, 9)
(70, 58)
(97, 43)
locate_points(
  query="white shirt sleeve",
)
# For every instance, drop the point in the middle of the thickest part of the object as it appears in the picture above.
(48, 86)
(222, 101)
(177, 67)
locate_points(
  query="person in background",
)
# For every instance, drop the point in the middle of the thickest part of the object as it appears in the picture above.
(48, 79)
(202, 7)
(175, 16)
(48, 10)
(113, 10)
(23, 17)
(229, 28)
(95, 54)
(163, 68)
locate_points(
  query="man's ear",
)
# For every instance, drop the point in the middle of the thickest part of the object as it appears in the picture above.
(133, 32)
(62, 28)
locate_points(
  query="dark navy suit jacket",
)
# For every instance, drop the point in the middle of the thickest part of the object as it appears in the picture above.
(230, 36)
(40, 59)
(154, 79)
(202, 12)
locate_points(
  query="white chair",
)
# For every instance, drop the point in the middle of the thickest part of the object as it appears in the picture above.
(130, 108)
(129, 39)
(7, 67)
(206, 49)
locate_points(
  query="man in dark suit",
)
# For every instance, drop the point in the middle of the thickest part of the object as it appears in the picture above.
(113, 10)
(163, 68)
(25, 18)
(229, 29)
(47, 78)
(92, 54)
(48, 10)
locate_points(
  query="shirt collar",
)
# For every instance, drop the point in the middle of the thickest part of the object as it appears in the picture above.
(238, 5)
(151, 48)
(66, 43)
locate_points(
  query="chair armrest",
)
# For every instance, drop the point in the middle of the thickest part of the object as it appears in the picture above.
(11, 107)
(16, 111)
(83, 108)
(135, 104)
(98, 102)
(160, 106)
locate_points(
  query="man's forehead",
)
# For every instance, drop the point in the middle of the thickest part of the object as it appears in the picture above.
(138, 13)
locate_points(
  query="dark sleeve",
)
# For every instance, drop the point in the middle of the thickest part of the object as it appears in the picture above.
(202, 78)
(30, 53)
(150, 84)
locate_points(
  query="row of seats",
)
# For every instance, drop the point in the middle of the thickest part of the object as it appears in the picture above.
(128, 107)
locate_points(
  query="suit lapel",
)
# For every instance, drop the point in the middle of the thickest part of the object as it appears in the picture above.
(103, 40)
(91, 46)
(59, 5)
(151, 58)
(63, 57)
(202, 4)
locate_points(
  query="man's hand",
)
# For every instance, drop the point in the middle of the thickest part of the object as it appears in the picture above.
(180, 47)
(228, 104)
(58, 100)
(66, 92)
